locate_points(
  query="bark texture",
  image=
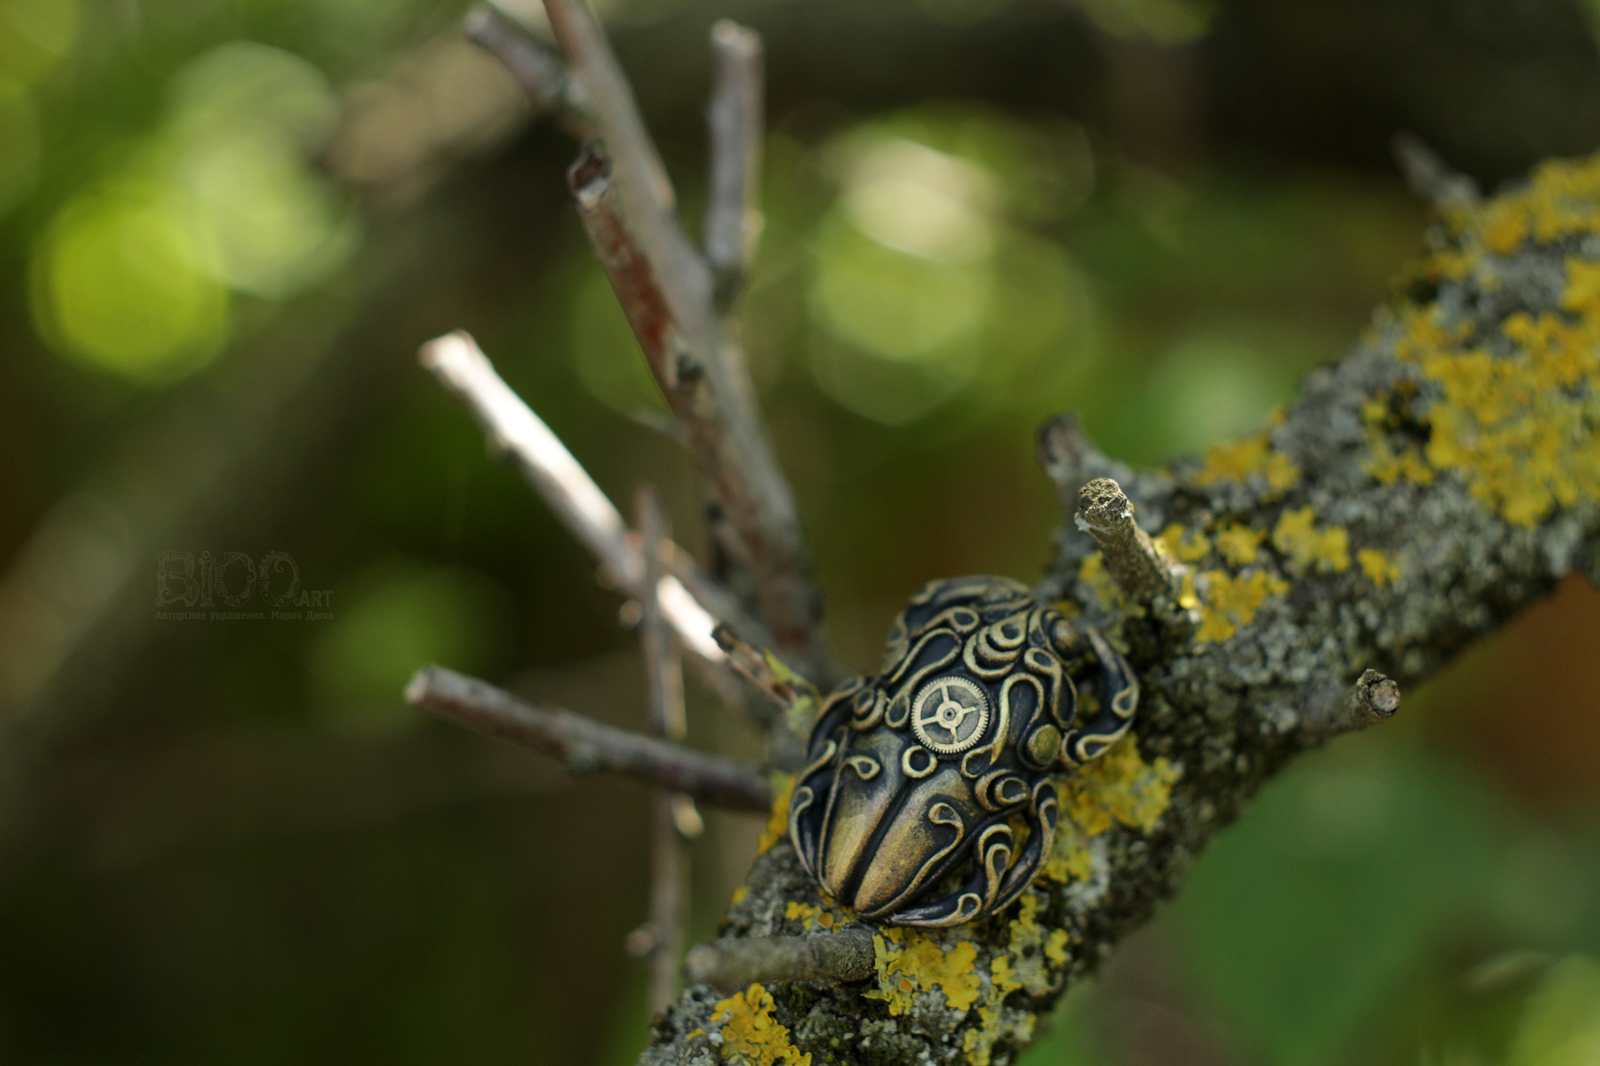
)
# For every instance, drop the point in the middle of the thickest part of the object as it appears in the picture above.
(1418, 494)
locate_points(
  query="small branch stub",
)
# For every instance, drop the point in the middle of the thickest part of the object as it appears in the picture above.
(1375, 699)
(1144, 572)
(1429, 175)
(729, 965)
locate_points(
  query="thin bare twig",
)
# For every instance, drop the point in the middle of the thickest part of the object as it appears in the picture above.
(729, 965)
(457, 361)
(669, 863)
(666, 290)
(737, 123)
(798, 697)
(1070, 458)
(538, 72)
(586, 745)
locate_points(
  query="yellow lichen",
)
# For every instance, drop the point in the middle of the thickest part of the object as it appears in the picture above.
(1055, 946)
(1238, 544)
(807, 702)
(750, 1033)
(1519, 429)
(778, 819)
(978, 1044)
(1022, 962)
(1092, 572)
(1562, 200)
(1388, 466)
(1297, 536)
(909, 961)
(1385, 464)
(1583, 285)
(1019, 965)
(1240, 460)
(1069, 855)
(1190, 545)
(740, 894)
(1378, 567)
(804, 911)
(819, 918)
(1231, 603)
(1187, 599)
(1119, 787)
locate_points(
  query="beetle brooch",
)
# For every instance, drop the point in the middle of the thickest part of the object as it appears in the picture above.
(913, 776)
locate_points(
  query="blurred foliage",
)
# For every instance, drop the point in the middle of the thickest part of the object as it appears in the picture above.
(224, 228)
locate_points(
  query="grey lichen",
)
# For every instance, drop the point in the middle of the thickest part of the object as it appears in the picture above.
(1366, 530)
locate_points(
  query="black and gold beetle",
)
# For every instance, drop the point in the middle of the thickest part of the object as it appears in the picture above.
(913, 774)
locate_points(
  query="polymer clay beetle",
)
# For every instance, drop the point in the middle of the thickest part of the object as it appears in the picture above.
(913, 776)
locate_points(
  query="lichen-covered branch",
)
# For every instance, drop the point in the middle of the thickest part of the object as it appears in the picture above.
(585, 745)
(729, 965)
(1418, 494)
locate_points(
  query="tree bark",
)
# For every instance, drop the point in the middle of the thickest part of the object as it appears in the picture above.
(1416, 496)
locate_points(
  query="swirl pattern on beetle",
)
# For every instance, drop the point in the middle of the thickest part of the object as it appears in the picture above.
(972, 712)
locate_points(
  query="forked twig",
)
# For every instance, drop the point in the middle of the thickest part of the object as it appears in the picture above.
(667, 291)
(540, 73)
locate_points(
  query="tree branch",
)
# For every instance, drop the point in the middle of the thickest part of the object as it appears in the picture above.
(457, 361)
(737, 122)
(538, 72)
(1415, 497)
(666, 289)
(670, 811)
(1144, 571)
(586, 745)
(729, 965)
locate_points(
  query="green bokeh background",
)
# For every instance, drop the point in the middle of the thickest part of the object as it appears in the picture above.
(224, 230)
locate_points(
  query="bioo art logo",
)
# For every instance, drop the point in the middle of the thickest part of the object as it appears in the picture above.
(235, 580)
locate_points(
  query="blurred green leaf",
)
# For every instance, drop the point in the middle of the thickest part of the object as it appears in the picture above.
(1560, 1025)
(34, 36)
(1304, 917)
(389, 621)
(118, 284)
